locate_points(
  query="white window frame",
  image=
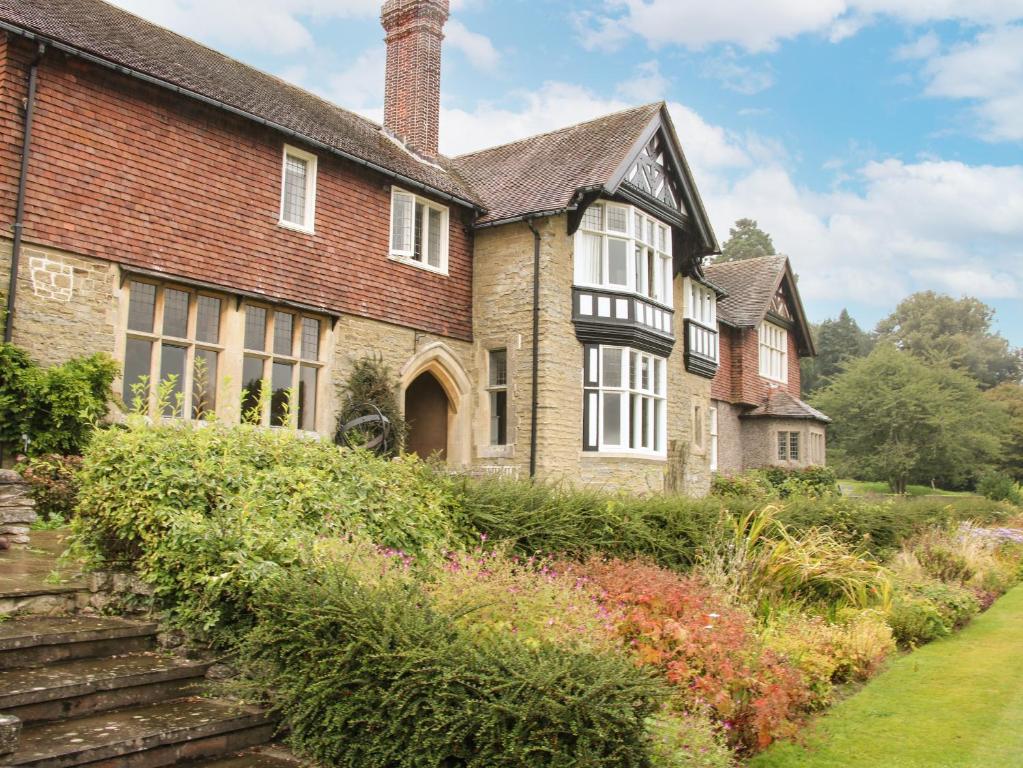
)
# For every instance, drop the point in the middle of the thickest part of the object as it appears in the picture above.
(309, 225)
(406, 255)
(713, 439)
(701, 304)
(630, 387)
(774, 352)
(637, 275)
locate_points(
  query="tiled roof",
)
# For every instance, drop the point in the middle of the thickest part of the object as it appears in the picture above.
(780, 404)
(543, 173)
(750, 285)
(116, 36)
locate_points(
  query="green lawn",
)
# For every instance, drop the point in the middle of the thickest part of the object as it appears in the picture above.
(957, 703)
(867, 488)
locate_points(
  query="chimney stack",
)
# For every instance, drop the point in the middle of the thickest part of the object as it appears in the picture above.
(415, 29)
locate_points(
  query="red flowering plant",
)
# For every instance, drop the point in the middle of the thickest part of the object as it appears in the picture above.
(709, 652)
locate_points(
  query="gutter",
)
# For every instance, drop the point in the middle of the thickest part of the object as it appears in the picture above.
(236, 111)
(19, 210)
(535, 401)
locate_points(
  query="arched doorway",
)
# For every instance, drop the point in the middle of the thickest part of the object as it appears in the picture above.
(426, 413)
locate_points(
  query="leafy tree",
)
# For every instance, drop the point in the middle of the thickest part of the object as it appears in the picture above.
(1009, 397)
(939, 328)
(904, 420)
(837, 341)
(746, 241)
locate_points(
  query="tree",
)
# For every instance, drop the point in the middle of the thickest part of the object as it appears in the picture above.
(904, 420)
(837, 341)
(746, 241)
(939, 328)
(1009, 397)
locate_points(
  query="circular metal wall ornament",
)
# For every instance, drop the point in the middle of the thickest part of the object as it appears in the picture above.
(370, 430)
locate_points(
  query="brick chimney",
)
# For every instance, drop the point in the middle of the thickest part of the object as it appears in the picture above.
(415, 29)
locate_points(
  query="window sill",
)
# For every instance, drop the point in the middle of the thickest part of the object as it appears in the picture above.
(496, 451)
(634, 455)
(771, 380)
(296, 227)
(419, 265)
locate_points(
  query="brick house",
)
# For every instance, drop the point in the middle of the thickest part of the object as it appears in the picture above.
(757, 418)
(543, 303)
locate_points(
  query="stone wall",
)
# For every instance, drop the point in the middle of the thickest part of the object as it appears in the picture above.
(17, 509)
(760, 446)
(65, 305)
(730, 438)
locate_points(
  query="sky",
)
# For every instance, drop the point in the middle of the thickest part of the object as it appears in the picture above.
(879, 142)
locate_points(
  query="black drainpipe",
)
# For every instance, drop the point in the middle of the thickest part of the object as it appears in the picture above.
(534, 406)
(19, 211)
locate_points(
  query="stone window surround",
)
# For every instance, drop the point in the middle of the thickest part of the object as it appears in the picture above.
(232, 336)
(484, 448)
(792, 438)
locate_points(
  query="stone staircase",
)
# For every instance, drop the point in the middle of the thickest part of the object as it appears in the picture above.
(97, 691)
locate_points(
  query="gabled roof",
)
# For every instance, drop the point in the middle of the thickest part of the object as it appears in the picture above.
(751, 285)
(551, 172)
(113, 37)
(780, 404)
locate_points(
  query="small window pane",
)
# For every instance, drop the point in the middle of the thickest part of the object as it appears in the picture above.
(590, 268)
(662, 238)
(310, 338)
(498, 368)
(401, 222)
(617, 219)
(637, 224)
(433, 254)
(612, 418)
(295, 172)
(204, 383)
(138, 358)
(175, 313)
(593, 218)
(783, 446)
(499, 417)
(417, 245)
(172, 371)
(280, 398)
(255, 328)
(284, 328)
(612, 367)
(141, 307)
(252, 389)
(307, 378)
(207, 320)
(794, 446)
(618, 262)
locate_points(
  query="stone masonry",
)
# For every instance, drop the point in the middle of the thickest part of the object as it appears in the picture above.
(17, 509)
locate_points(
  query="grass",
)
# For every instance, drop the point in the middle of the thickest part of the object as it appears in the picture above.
(879, 487)
(957, 703)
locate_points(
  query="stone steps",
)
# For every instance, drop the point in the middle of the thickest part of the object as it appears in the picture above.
(88, 685)
(147, 736)
(258, 757)
(32, 641)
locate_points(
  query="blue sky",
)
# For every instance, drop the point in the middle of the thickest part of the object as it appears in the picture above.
(880, 142)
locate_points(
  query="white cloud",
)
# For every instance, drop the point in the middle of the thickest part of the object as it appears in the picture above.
(646, 84)
(477, 48)
(736, 76)
(924, 47)
(988, 71)
(761, 26)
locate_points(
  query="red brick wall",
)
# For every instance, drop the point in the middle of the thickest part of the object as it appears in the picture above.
(129, 172)
(738, 379)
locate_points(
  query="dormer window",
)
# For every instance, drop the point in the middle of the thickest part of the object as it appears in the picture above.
(419, 231)
(298, 190)
(620, 248)
(774, 352)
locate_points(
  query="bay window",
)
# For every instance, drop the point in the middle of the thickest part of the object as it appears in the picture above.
(774, 345)
(625, 407)
(419, 231)
(618, 247)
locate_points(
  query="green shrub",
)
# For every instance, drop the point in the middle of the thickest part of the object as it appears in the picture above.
(54, 484)
(915, 621)
(748, 485)
(56, 408)
(546, 519)
(999, 486)
(368, 675)
(371, 383)
(688, 741)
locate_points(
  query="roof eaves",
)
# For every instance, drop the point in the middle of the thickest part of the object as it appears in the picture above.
(160, 82)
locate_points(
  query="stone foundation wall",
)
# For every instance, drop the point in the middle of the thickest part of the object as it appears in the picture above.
(730, 438)
(17, 510)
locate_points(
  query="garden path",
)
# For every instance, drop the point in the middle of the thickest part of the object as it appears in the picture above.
(956, 703)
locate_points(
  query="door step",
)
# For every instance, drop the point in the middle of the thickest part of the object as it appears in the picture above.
(29, 641)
